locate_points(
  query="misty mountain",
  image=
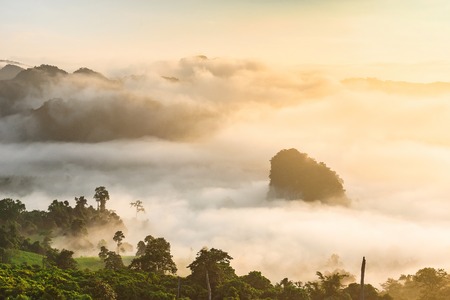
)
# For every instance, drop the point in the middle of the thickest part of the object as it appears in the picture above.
(46, 103)
(295, 175)
(9, 72)
(39, 75)
(90, 72)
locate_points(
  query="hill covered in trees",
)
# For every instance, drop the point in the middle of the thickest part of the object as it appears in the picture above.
(34, 230)
(295, 175)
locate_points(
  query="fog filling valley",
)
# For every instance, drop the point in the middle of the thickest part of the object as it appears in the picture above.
(193, 139)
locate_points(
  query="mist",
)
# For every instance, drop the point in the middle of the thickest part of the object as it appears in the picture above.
(193, 140)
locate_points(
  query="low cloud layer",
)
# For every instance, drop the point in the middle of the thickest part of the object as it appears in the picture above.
(192, 139)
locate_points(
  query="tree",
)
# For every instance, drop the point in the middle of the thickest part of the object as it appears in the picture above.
(260, 283)
(328, 287)
(141, 246)
(290, 290)
(294, 175)
(370, 293)
(118, 237)
(112, 260)
(78, 227)
(138, 205)
(211, 267)
(103, 253)
(10, 210)
(62, 259)
(81, 202)
(80, 205)
(60, 212)
(101, 196)
(154, 256)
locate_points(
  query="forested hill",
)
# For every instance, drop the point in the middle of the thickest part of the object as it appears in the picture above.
(151, 274)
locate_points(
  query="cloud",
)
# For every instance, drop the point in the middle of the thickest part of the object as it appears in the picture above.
(196, 151)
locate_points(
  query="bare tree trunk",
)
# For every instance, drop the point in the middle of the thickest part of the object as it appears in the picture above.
(363, 270)
(208, 285)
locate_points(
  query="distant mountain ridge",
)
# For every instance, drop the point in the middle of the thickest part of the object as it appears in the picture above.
(9, 72)
(46, 103)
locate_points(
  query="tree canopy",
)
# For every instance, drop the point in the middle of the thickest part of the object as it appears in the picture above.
(154, 256)
(101, 196)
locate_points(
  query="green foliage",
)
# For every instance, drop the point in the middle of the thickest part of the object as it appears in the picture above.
(328, 287)
(426, 284)
(370, 293)
(118, 237)
(213, 266)
(289, 290)
(113, 261)
(262, 287)
(294, 175)
(22, 257)
(95, 263)
(101, 196)
(55, 276)
(10, 211)
(61, 259)
(154, 256)
(33, 230)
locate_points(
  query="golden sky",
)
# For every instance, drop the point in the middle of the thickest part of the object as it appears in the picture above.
(286, 32)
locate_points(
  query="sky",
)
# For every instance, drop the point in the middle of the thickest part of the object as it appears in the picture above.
(117, 33)
(196, 150)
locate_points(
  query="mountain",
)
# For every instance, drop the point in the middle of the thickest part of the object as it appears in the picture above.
(89, 72)
(9, 72)
(40, 74)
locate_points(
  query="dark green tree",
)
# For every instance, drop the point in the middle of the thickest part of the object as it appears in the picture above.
(62, 259)
(370, 293)
(113, 261)
(118, 238)
(141, 248)
(289, 290)
(211, 268)
(328, 287)
(11, 210)
(103, 253)
(101, 196)
(261, 284)
(154, 256)
(78, 228)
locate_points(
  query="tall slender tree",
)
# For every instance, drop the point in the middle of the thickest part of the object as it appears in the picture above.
(101, 196)
(118, 238)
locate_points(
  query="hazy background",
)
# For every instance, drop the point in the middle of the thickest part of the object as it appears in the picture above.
(195, 146)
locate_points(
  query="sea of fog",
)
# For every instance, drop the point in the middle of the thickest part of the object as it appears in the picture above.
(193, 140)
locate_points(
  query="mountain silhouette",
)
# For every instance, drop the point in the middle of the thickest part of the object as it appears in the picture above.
(296, 176)
(9, 72)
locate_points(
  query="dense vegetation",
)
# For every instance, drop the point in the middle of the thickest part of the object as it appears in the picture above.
(295, 175)
(31, 269)
(33, 230)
